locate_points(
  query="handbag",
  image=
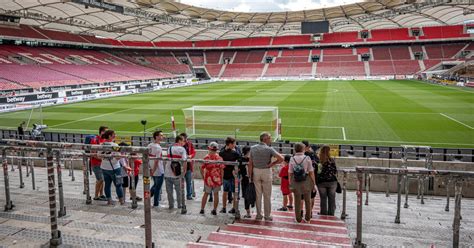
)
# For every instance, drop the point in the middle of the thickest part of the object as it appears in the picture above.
(251, 194)
(118, 179)
(338, 189)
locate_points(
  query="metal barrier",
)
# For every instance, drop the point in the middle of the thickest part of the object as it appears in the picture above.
(457, 176)
(75, 151)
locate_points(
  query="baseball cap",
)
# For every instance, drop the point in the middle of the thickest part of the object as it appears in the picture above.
(213, 146)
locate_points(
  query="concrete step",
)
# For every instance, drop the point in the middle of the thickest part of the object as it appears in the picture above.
(259, 241)
(314, 220)
(285, 233)
(295, 226)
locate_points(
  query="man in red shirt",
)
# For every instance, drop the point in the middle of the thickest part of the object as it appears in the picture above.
(95, 165)
(191, 152)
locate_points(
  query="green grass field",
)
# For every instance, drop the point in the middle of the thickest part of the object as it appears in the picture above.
(337, 112)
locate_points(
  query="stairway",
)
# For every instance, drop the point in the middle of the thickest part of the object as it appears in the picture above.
(283, 231)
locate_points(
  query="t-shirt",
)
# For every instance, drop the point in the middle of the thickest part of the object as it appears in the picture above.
(231, 156)
(156, 151)
(109, 163)
(243, 166)
(178, 152)
(136, 166)
(298, 158)
(212, 172)
(284, 172)
(261, 155)
(328, 172)
(96, 141)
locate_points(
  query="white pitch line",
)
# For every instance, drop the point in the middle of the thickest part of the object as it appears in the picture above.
(343, 133)
(451, 118)
(92, 117)
(158, 125)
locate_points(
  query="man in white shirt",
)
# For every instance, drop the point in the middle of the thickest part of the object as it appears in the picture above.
(173, 171)
(157, 170)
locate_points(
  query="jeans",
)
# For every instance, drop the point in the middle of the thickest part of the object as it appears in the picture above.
(157, 184)
(327, 193)
(170, 184)
(189, 183)
(109, 177)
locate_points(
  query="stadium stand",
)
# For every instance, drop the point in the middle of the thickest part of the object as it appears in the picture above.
(213, 57)
(341, 37)
(292, 40)
(243, 70)
(213, 69)
(338, 69)
(258, 41)
(380, 68)
(212, 43)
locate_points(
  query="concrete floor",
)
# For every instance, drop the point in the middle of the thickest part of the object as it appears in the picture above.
(98, 225)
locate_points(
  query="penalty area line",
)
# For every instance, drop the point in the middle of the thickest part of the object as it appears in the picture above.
(451, 118)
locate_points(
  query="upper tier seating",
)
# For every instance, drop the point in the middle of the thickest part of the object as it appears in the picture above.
(257, 41)
(137, 43)
(212, 43)
(441, 32)
(390, 34)
(292, 39)
(173, 43)
(243, 70)
(341, 37)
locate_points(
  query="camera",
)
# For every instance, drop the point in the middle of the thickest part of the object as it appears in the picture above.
(143, 122)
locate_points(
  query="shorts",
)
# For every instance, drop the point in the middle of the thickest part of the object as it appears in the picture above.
(209, 190)
(229, 185)
(99, 176)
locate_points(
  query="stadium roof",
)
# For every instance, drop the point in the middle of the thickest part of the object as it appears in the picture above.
(155, 20)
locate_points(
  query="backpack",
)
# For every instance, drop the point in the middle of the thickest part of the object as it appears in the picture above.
(298, 170)
(175, 165)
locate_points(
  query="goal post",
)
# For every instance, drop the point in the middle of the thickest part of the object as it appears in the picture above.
(244, 122)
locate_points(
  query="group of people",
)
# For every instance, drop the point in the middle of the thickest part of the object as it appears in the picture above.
(303, 174)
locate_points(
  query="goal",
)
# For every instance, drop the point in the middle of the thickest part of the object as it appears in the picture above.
(246, 122)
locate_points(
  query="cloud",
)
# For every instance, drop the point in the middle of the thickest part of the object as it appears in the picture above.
(266, 5)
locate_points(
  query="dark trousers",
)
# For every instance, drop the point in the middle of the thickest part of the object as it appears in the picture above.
(327, 193)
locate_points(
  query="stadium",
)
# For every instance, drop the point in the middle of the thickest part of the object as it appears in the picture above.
(386, 85)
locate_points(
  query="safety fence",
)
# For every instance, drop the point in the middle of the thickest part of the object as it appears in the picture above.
(55, 154)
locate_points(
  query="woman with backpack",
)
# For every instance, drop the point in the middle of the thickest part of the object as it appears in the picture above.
(327, 181)
(302, 181)
(111, 169)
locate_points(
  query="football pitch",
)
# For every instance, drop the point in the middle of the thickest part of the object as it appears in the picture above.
(366, 112)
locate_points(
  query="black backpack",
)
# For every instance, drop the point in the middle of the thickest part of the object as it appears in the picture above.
(175, 165)
(298, 170)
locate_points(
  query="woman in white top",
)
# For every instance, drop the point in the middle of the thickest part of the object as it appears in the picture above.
(302, 181)
(111, 169)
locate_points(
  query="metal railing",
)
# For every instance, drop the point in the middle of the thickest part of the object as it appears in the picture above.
(62, 152)
(75, 151)
(457, 176)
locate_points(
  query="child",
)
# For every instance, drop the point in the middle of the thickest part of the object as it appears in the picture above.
(213, 177)
(285, 185)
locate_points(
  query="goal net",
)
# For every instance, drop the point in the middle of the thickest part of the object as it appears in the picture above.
(245, 122)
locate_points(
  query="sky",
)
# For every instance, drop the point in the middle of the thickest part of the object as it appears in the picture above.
(266, 5)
